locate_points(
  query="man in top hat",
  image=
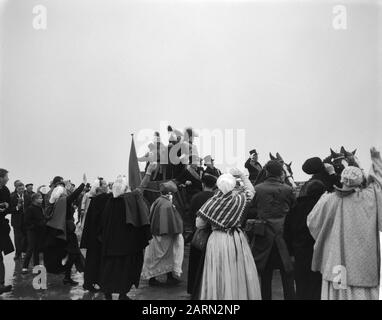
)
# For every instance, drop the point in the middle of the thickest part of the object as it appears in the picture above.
(210, 166)
(252, 165)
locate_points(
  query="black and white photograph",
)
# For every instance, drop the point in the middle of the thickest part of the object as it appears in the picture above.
(204, 152)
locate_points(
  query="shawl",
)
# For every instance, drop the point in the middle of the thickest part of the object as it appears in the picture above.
(58, 220)
(165, 218)
(136, 209)
(224, 210)
(345, 226)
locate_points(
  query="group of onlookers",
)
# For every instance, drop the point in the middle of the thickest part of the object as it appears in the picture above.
(324, 240)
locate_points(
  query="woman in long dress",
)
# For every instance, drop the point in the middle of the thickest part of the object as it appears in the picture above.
(229, 268)
(346, 226)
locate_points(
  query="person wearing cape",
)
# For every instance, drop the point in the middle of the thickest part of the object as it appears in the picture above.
(346, 226)
(125, 234)
(91, 234)
(164, 255)
(60, 239)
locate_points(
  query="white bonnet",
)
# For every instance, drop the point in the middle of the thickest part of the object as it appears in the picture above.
(120, 186)
(226, 182)
(352, 176)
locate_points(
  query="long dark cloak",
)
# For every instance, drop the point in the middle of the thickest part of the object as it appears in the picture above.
(122, 246)
(92, 227)
(91, 238)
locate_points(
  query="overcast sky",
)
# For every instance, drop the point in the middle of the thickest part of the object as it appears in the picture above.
(72, 94)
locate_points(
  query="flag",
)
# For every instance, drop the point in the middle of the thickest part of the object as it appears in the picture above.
(134, 173)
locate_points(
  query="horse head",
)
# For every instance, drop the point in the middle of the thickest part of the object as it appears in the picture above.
(337, 159)
(287, 169)
(350, 157)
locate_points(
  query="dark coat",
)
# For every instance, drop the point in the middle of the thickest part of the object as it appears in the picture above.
(6, 244)
(122, 248)
(296, 231)
(328, 180)
(91, 235)
(213, 171)
(299, 239)
(17, 218)
(91, 238)
(253, 171)
(56, 249)
(272, 202)
(196, 260)
(196, 184)
(72, 241)
(34, 218)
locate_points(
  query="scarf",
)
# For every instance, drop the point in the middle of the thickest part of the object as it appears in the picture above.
(224, 210)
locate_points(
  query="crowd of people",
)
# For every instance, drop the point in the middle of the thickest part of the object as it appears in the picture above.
(324, 238)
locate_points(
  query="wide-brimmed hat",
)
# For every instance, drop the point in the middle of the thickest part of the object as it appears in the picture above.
(313, 165)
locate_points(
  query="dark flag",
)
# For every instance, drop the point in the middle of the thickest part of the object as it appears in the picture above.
(134, 173)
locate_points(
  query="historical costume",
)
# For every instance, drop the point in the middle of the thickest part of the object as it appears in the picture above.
(229, 268)
(346, 226)
(164, 255)
(92, 232)
(272, 202)
(125, 234)
(300, 241)
(61, 239)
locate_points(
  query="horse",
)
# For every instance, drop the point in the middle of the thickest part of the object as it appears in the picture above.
(337, 160)
(287, 167)
(350, 157)
(341, 160)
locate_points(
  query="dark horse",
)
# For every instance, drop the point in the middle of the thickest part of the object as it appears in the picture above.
(340, 160)
(287, 171)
